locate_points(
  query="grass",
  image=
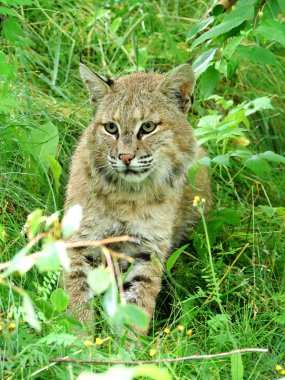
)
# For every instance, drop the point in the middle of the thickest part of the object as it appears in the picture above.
(239, 300)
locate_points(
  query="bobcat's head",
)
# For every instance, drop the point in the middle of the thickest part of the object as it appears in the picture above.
(140, 130)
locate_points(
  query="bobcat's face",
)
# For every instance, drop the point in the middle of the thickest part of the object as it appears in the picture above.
(138, 132)
(133, 138)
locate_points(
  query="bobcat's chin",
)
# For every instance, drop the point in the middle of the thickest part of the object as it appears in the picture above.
(131, 175)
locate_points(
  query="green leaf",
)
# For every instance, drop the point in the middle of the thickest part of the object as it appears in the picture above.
(281, 4)
(273, 157)
(272, 30)
(99, 279)
(257, 165)
(221, 159)
(153, 372)
(216, 31)
(6, 11)
(174, 257)
(229, 216)
(40, 143)
(16, 3)
(29, 313)
(195, 29)
(56, 170)
(208, 82)
(116, 23)
(110, 300)
(236, 367)
(203, 62)
(59, 299)
(268, 211)
(132, 315)
(257, 54)
(11, 30)
(53, 255)
(258, 104)
(232, 45)
(34, 222)
(7, 103)
(71, 220)
(58, 339)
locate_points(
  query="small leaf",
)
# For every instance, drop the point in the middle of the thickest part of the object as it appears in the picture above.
(99, 279)
(206, 161)
(59, 339)
(221, 160)
(229, 216)
(174, 257)
(255, 105)
(208, 82)
(268, 211)
(132, 315)
(110, 300)
(195, 29)
(116, 23)
(33, 222)
(257, 165)
(274, 157)
(71, 220)
(53, 255)
(217, 30)
(56, 170)
(29, 314)
(257, 54)
(236, 367)
(6, 11)
(153, 372)
(59, 300)
(272, 30)
(203, 62)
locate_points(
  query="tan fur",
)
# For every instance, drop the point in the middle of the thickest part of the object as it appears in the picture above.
(155, 207)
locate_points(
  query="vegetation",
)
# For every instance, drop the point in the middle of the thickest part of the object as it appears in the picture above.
(223, 291)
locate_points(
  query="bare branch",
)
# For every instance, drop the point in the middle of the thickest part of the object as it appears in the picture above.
(157, 361)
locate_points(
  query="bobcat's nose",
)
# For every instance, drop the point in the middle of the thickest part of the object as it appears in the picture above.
(126, 158)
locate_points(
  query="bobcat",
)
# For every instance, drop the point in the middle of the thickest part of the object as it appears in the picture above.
(129, 174)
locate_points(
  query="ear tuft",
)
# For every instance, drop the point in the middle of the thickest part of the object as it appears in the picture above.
(97, 85)
(179, 85)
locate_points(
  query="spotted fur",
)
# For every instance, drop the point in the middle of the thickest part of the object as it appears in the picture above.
(134, 183)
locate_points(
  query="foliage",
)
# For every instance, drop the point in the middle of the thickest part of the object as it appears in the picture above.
(225, 289)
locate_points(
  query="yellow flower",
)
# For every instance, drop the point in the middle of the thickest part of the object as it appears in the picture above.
(87, 343)
(98, 341)
(196, 200)
(152, 352)
(167, 330)
(278, 367)
(189, 332)
(12, 326)
(180, 328)
(282, 372)
(241, 140)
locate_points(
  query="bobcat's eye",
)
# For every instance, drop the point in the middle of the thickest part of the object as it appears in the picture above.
(148, 127)
(111, 128)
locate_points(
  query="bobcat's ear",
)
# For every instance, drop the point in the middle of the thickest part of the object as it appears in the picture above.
(97, 85)
(179, 85)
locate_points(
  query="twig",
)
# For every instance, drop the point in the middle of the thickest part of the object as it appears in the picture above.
(98, 243)
(166, 360)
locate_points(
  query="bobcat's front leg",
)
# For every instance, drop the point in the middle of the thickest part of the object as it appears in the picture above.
(78, 289)
(143, 284)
